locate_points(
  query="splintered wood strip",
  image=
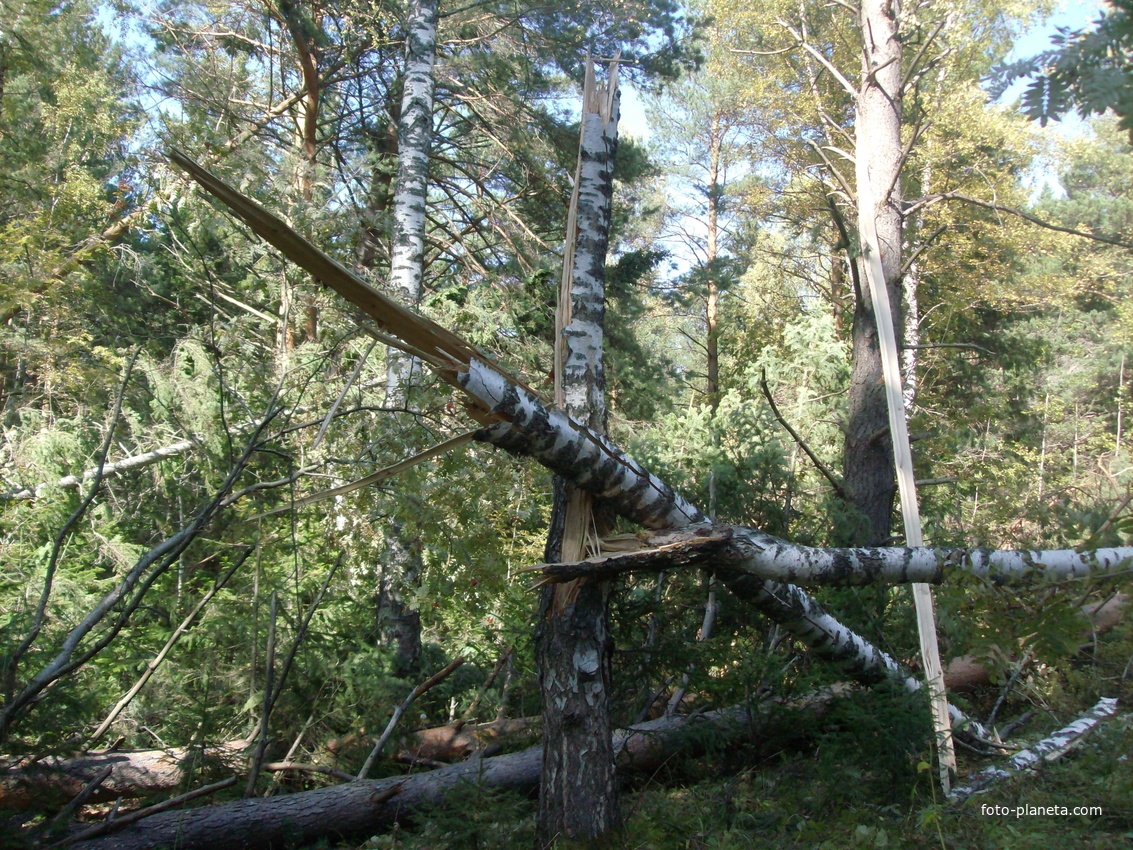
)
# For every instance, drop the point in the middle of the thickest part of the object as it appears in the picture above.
(423, 337)
(579, 536)
(689, 548)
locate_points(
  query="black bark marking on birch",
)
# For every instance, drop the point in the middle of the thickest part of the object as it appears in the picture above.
(577, 796)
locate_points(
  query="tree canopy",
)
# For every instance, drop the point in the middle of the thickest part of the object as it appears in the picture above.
(287, 494)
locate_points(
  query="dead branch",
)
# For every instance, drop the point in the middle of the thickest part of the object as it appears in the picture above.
(428, 684)
(131, 590)
(826, 471)
(283, 766)
(11, 664)
(73, 482)
(149, 811)
(1026, 216)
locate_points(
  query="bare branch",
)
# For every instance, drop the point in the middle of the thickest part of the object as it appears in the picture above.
(1026, 216)
(826, 471)
(428, 684)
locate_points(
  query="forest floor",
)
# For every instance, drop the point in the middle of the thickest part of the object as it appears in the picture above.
(859, 777)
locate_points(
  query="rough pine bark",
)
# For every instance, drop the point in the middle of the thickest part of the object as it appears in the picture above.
(578, 792)
(867, 468)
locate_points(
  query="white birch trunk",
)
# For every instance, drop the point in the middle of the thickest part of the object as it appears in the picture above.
(735, 549)
(398, 623)
(1045, 751)
(414, 137)
(578, 791)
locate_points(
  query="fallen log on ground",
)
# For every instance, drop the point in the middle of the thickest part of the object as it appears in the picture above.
(52, 782)
(455, 742)
(970, 672)
(360, 809)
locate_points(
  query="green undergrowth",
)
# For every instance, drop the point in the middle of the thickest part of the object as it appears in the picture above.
(858, 776)
(792, 800)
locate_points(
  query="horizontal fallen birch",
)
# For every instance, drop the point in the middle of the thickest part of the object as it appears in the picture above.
(730, 548)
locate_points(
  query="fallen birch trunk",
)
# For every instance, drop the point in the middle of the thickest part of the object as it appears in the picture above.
(519, 421)
(360, 809)
(73, 482)
(751, 552)
(1045, 751)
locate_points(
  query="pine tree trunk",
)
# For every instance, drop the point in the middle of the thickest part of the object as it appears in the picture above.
(578, 793)
(868, 471)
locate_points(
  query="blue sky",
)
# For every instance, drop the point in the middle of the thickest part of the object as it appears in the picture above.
(1074, 14)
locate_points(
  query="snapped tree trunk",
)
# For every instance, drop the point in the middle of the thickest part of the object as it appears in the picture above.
(577, 790)
(517, 420)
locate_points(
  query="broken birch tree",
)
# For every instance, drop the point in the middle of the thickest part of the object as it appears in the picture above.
(573, 646)
(516, 419)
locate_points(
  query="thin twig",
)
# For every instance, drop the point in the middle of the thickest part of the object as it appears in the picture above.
(1007, 688)
(374, 478)
(73, 806)
(467, 715)
(282, 766)
(342, 395)
(822, 467)
(1026, 216)
(429, 683)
